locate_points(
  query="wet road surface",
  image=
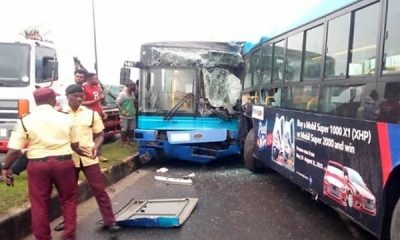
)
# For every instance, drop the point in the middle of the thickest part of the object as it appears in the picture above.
(234, 203)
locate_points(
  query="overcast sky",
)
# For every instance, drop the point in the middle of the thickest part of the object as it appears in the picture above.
(123, 25)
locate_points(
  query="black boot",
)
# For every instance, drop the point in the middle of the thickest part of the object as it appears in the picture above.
(59, 227)
(112, 228)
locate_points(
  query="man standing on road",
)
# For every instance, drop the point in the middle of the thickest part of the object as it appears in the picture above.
(127, 110)
(90, 131)
(50, 137)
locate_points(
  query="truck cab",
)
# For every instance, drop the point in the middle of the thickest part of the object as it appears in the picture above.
(25, 65)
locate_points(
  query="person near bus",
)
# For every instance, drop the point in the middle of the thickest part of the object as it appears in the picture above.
(93, 97)
(90, 131)
(270, 100)
(127, 110)
(80, 76)
(370, 109)
(51, 138)
(389, 109)
(137, 94)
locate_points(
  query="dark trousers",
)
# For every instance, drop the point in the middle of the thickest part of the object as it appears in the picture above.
(41, 177)
(96, 183)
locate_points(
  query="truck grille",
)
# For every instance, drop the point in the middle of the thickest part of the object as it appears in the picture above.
(8, 109)
(8, 116)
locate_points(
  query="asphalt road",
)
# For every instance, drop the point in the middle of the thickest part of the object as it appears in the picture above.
(233, 204)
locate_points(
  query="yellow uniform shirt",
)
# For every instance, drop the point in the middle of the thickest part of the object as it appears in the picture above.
(88, 122)
(48, 133)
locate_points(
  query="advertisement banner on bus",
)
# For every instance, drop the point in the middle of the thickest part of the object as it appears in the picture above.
(327, 155)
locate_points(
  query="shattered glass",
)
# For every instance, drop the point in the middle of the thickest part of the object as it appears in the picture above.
(218, 62)
(222, 88)
(192, 54)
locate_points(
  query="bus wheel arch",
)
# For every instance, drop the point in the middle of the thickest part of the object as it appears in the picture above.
(395, 223)
(392, 196)
(250, 162)
(245, 126)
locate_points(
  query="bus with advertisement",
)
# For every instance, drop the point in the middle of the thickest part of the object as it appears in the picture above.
(321, 107)
(187, 95)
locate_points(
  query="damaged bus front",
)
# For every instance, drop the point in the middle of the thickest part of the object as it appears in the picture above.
(187, 97)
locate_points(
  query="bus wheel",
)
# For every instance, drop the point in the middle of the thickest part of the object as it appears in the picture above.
(249, 161)
(395, 223)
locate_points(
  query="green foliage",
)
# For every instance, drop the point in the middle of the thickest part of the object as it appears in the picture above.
(14, 197)
(116, 152)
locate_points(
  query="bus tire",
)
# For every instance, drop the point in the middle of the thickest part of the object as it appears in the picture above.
(249, 161)
(395, 223)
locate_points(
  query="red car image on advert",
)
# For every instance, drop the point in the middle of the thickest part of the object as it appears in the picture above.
(346, 186)
(334, 183)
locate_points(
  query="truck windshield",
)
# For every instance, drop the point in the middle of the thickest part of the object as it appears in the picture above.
(162, 88)
(14, 64)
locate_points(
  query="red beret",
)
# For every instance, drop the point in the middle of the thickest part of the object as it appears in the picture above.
(43, 94)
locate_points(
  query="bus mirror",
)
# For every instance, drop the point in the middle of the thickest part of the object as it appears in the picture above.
(50, 69)
(125, 74)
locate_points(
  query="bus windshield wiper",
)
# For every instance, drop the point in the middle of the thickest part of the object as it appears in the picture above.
(178, 105)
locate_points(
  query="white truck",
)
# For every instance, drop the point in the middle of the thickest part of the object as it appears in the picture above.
(25, 64)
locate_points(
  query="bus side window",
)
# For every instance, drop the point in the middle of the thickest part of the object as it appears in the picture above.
(268, 97)
(279, 61)
(301, 97)
(341, 100)
(369, 107)
(389, 108)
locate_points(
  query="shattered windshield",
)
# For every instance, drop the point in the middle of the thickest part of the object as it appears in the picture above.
(175, 75)
(162, 89)
(193, 57)
(14, 63)
(191, 54)
(222, 88)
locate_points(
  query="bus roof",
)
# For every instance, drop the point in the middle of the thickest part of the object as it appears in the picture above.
(216, 46)
(319, 12)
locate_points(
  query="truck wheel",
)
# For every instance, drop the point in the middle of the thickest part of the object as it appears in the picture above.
(395, 223)
(249, 161)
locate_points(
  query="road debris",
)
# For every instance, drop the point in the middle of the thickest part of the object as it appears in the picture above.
(182, 181)
(192, 175)
(155, 212)
(162, 170)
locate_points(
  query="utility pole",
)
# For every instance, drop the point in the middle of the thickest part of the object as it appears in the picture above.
(94, 38)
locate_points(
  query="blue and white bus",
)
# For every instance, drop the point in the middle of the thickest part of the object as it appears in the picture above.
(187, 95)
(323, 110)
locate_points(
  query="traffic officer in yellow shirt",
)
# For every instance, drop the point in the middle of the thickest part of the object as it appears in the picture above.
(51, 138)
(90, 131)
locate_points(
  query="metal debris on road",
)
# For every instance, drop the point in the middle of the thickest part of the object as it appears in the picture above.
(183, 181)
(155, 212)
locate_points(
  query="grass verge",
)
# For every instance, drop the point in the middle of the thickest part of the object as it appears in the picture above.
(13, 198)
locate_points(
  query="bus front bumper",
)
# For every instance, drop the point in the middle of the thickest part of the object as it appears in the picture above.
(197, 146)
